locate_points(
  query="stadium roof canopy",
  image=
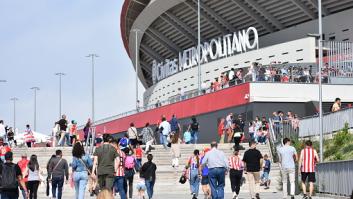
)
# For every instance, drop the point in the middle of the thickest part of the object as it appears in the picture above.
(167, 27)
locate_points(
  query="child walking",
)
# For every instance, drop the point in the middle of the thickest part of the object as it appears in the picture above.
(265, 180)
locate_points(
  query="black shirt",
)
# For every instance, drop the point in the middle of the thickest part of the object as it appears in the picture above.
(63, 124)
(252, 159)
(11, 192)
(148, 171)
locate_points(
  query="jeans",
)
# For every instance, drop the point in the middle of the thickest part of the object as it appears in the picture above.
(291, 174)
(161, 138)
(57, 183)
(138, 164)
(165, 141)
(149, 187)
(217, 182)
(80, 180)
(236, 141)
(62, 138)
(33, 189)
(119, 186)
(194, 181)
(67, 139)
(8, 196)
(194, 137)
(261, 139)
(235, 177)
(265, 176)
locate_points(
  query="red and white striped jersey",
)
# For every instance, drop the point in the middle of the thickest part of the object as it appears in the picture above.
(236, 163)
(120, 164)
(309, 158)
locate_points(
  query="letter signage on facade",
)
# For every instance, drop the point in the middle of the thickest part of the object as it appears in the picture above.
(216, 48)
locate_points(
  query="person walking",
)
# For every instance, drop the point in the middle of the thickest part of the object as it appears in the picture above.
(236, 172)
(58, 171)
(194, 129)
(287, 158)
(253, 161)
(103, 164)
(204, 177)
(218, 165)
(164, 128)
(148, 171)
(34, 177)
(29, 137)
(221, 130)
(81, 166)
(129, 165)
(73, 132)
(119, 180)
(193, 165)
(175, 127)
(147, 137)
(63, 128)
(86, 131)
(307, 163)
(49, 187)
(11, 177)
(175, 150)
(132, 133)
(23, 163)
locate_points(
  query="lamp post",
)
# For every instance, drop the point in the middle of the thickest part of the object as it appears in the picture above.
(136, 66)
(60, 76)
(14, 99)
(320, 81)
(35, 89)
(198, 47)
(92, 56)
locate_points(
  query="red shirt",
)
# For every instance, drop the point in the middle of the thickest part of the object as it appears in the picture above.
(4, 149)
(138, 152)
(23, 165)
(220, 128)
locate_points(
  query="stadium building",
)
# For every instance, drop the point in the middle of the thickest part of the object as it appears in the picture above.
(257, 36)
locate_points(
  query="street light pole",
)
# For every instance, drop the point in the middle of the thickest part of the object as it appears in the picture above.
(320, 81)
(198, 46)
(14, 99)
(35, 108)
(92, 56)
(60, 76)
(136, 66)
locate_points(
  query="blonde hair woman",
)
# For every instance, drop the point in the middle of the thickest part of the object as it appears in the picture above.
(105, 194)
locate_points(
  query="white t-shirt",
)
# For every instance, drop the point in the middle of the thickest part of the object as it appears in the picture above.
(166, 127)
(2, 130)
(230, 75)
(286, 153)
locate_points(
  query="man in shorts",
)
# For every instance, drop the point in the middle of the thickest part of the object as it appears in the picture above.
(307, 162)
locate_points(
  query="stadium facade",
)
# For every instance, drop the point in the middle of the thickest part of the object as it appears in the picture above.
(234, 34)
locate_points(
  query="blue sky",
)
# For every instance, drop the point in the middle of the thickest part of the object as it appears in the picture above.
(42, 37)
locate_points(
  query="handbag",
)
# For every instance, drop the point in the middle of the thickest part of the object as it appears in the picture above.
(182, 179)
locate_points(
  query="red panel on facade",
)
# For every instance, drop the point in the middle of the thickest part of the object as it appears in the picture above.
(225, 98)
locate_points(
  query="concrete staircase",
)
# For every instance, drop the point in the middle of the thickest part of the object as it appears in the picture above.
(167, 176)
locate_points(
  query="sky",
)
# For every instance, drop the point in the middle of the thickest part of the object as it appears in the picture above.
(40, 38)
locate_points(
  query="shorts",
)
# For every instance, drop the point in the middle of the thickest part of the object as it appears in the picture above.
(265, 176)
(308, 175)
(141, 186)
(204, 180)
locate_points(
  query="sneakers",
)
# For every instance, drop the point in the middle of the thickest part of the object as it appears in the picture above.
(257, 196)
(305, 196)
(235, 196)
(194, 196)
(292, 197)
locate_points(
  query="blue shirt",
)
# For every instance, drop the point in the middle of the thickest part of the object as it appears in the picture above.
(204, 169)
(78, 165)
(187, 136)
(174, 124)
(267, 166)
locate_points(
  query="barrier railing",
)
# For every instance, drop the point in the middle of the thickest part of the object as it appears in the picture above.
(332, 122)
(335, 177)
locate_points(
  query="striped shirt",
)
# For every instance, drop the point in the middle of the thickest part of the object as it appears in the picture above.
(235, 163)
(120, 171)
(309, 159)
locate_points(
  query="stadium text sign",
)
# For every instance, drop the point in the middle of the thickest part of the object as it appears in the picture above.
(216, 48)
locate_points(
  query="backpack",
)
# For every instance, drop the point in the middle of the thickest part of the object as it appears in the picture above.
(129, 162)
(123, 142)
(195, 126)
(8, 177)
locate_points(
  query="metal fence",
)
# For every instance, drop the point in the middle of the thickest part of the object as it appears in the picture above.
(332, 122)
(339, 62)
(335, 177)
